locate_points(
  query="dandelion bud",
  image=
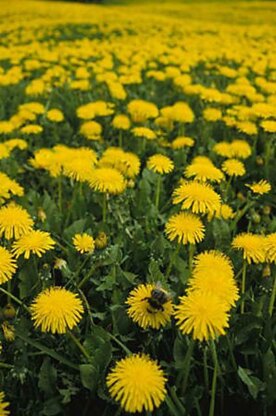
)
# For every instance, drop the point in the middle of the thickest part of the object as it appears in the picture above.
(101, 240)
(41, 215)
(259, 161)
(8, 331)
(240, 196)
(266, 210)
(266, 271)
(256, 218)
(9, 311)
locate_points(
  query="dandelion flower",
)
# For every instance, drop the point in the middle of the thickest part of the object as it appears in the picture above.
(56, 310)
(182, 141)
(7, 265)
(84, 243)
(185, 227)
(138, 383)
(233, 167)
(141, 311)
(55, 115)
(121, 122)
(160, 164)
(253, 246)
(261, 187)
(144, 132)
(204, 172)
(141, 110)
(35, 242)
(14, 221)
(270, 247)
(269, 126)
(3, 405)
(213, 272)
(240, 149)
(107, 180)
(199, 197)
(203, 314)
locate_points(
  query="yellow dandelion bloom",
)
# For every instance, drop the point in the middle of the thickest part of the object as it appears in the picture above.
(121, 122)
(223, 149)
(14, 221)
(212, 114)
(233, 167)
(203, 314)
(204, 172)
(240, 149)
(141, 110)
(91, 130)
(3, 405)
(126, 162)
(9, 187)
(107, 180)
(269, 126)
(55, 115)
(78, 169)
(182, 141)
(253, 246)
(34, 242)
(213, 272)
(144, 132)
(84, 243)
(160, 164)
(142, 312)
(270, 248)
(261, 187)
(7, 265)
(32, 129)
(185, 228)
(199, 197)
(56, 310)
(137, 383)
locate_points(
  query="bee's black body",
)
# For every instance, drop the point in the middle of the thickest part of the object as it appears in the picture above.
(156, 300)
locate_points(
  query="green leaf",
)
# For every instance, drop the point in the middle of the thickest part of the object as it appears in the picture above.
(52, 407)
(253, 384)
(89, 375)
(47, 378)
(75, 228)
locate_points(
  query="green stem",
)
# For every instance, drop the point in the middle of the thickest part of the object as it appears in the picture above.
(120, 138)
(86, 278)
(9, 292)
(60, 193)
(272, 298)
(242, 212)
(104, 208)
(244, 266)
(205, 368)
(214, 380)
(187, 365)
(228, 185)
(4, 365)
(158, 189)
(78, 344)
(191, 256)
(172, 409)
(15, 299)
(268, 143)
(127, 351)
(172, 259)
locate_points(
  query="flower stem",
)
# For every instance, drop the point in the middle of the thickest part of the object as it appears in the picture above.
(120, 138)
(60, 193)
(205, 369)
(127, 351)
(104, 208)
(172, 259)
(191, 256)
(187, 365)
(171, 406)
(15, 299)
(272, 298)
(78, 344)
(158, 188)
(243, 285)
(214, 380)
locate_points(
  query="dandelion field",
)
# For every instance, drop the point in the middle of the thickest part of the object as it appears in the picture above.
(137, 209)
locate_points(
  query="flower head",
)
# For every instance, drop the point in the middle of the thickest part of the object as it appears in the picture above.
(34, 242)
(14, 221)
(84, 243)
(233, 167)
(253, 246)
(204, 172)
(56, 309)
(107, 180)
(185, 228)
(261, 187)
(138, 383)
(182, 141)
(199, 197)
(270, 248)
(141, 310)
(55, 115)
(213, 272)
(7, 265)
(160, 164)
(203, 314)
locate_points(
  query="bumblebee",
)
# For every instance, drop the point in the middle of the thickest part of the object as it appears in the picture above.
(157, 299)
